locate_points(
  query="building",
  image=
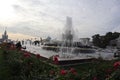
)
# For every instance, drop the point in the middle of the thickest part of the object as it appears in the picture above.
(5, 37)
(85, 41)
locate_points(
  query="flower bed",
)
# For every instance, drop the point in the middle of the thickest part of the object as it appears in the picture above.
(16, 64)
(21, 65)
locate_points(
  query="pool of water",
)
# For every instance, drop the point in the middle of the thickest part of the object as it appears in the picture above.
(67, 56)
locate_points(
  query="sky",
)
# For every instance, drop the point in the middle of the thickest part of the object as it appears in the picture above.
(41, 18)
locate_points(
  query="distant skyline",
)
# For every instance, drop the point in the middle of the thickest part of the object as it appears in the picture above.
(42, 18)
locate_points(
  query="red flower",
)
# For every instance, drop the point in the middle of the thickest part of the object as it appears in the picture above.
(27, 55)
(73, 71)
(38, 55)
(63, 72)
(116, 64)
(55, 59)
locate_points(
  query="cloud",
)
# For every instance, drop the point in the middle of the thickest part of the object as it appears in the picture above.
(48, 17)
(34, 2)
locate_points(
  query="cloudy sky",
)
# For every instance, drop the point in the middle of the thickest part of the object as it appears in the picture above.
(42, 18)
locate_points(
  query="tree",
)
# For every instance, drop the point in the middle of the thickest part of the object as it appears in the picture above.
(96, 40)
(103, 41)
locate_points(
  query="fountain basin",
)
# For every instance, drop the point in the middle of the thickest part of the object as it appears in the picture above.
(65, 49)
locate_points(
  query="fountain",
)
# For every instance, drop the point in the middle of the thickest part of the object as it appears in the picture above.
(67, 37)
(68, 45)
(68, 50)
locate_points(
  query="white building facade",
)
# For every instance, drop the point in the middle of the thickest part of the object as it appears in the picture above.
(85, 41)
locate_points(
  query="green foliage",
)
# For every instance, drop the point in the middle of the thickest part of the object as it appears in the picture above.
(103, 41)
(14, 65)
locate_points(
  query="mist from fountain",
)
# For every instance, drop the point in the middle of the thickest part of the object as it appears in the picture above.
(67, 38)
